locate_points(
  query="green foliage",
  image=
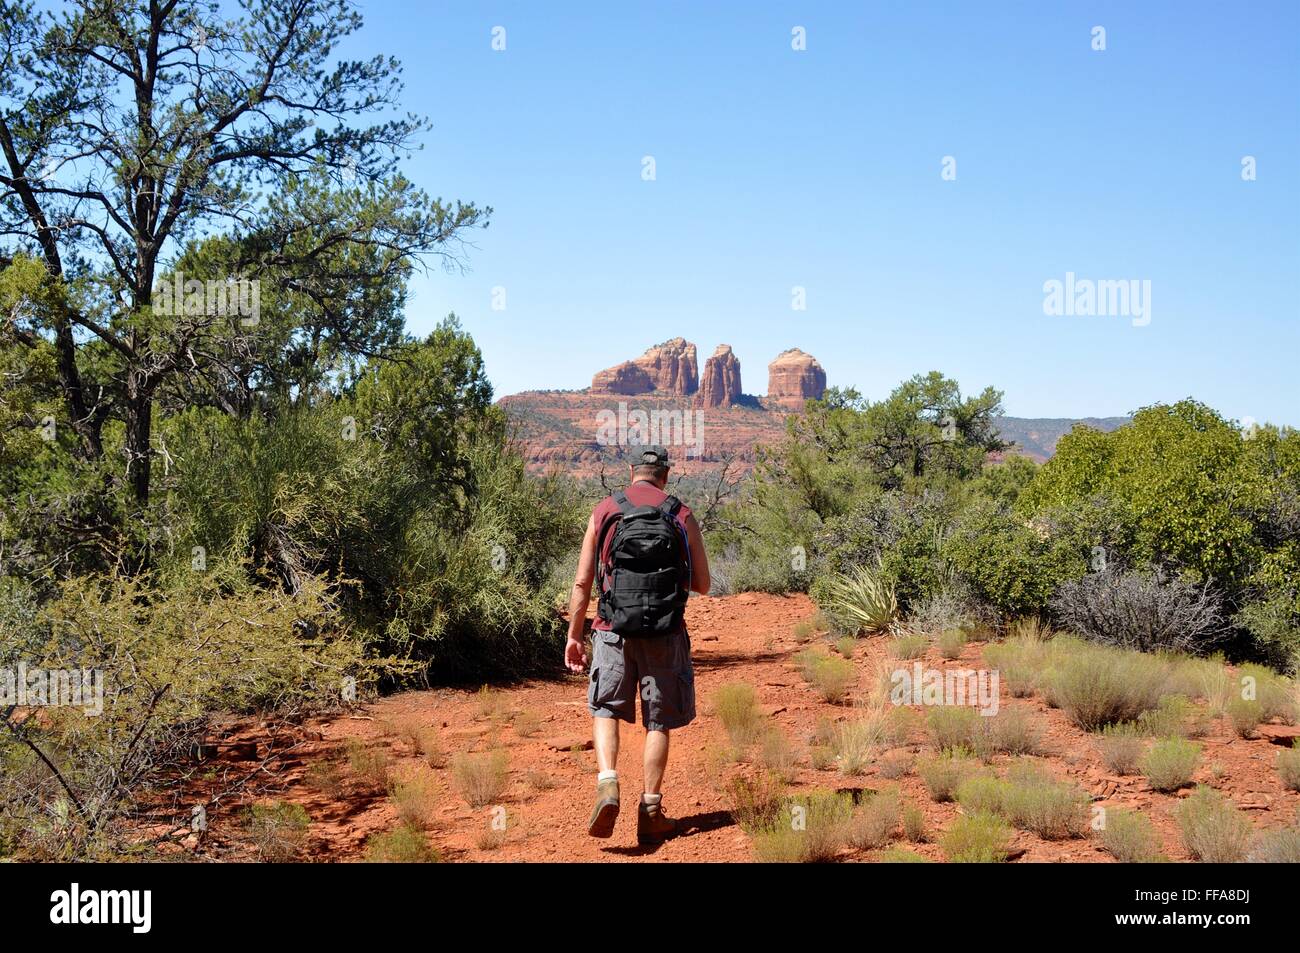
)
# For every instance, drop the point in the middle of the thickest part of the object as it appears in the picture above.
(1170, 763)
(860, 601)
(977, 839)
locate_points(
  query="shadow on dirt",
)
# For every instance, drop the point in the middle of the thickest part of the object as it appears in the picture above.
(686, 827)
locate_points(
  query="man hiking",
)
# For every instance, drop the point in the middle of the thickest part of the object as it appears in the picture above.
(644, 551)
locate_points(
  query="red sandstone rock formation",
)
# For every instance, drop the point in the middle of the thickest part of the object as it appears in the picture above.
(625, 378)
(793, 378)
(670, 368)
(720, 382)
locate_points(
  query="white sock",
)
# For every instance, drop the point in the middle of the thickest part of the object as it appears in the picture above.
(650, 800)
(606, 776)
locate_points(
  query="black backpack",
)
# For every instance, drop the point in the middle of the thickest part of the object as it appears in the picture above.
(644, 585)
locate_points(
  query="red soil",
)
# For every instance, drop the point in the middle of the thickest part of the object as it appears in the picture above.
(741, 638)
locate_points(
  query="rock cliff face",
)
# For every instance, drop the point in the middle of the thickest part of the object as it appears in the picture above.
(670, 368)
(793, 378)
(720, 381)
(625, 378)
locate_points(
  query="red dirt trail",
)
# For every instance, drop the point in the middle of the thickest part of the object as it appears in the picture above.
(742, 638)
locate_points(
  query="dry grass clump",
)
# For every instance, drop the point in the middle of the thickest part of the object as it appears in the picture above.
(414, 800)
(1175, 717)
(424, 741)
(326, 776)
(896, 765)
(736, 705)
(857, 741)
(1054, 810)
(369, 764)
(810, 828)
(755, 801)
(527, 723)
(913, 823)
(490, 705)
(876, 821)
(908, 647)
(804, 630)
(1245, 715)
(1280, 846)
(1288, 766)
(1130, 837)
(402, 845)
(943, 773)
(1019, 661)
(278, 831)
(1276, 694)
(846, 645)
(1121, 748)
(1214, 829)
(1030, 799)
(1014, 731)
(481, 778)
(901, 855)
(830, 675)
(952, 642)
(775, 753)
(1099, 685)
(953, 726)
(1170, 763)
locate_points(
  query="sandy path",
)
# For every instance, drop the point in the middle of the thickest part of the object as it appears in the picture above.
(742, 638)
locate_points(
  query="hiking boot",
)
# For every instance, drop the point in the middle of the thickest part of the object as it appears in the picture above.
(605, 812)
(653, 825)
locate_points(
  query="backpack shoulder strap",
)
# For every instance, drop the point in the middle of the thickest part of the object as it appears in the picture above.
(622, 502)
(671, 505)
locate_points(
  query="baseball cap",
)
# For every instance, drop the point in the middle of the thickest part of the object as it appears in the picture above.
(648, 457)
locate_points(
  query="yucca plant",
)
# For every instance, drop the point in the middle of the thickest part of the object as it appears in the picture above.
(864, 598)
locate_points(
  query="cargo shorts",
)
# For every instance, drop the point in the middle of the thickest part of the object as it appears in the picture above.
(658, 668)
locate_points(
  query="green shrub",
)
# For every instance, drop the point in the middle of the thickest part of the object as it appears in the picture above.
(1130, 837)
(1015, 731)
(982, 793)
(1214, 829)
(370, 764)
(862, 600)
(402, 845)
(1169, 764)
(977, 839)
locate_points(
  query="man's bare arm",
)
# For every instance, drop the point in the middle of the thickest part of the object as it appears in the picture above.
(575, 654)
(700, 579)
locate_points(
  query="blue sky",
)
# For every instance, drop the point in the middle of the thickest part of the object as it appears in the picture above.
(821, 169)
